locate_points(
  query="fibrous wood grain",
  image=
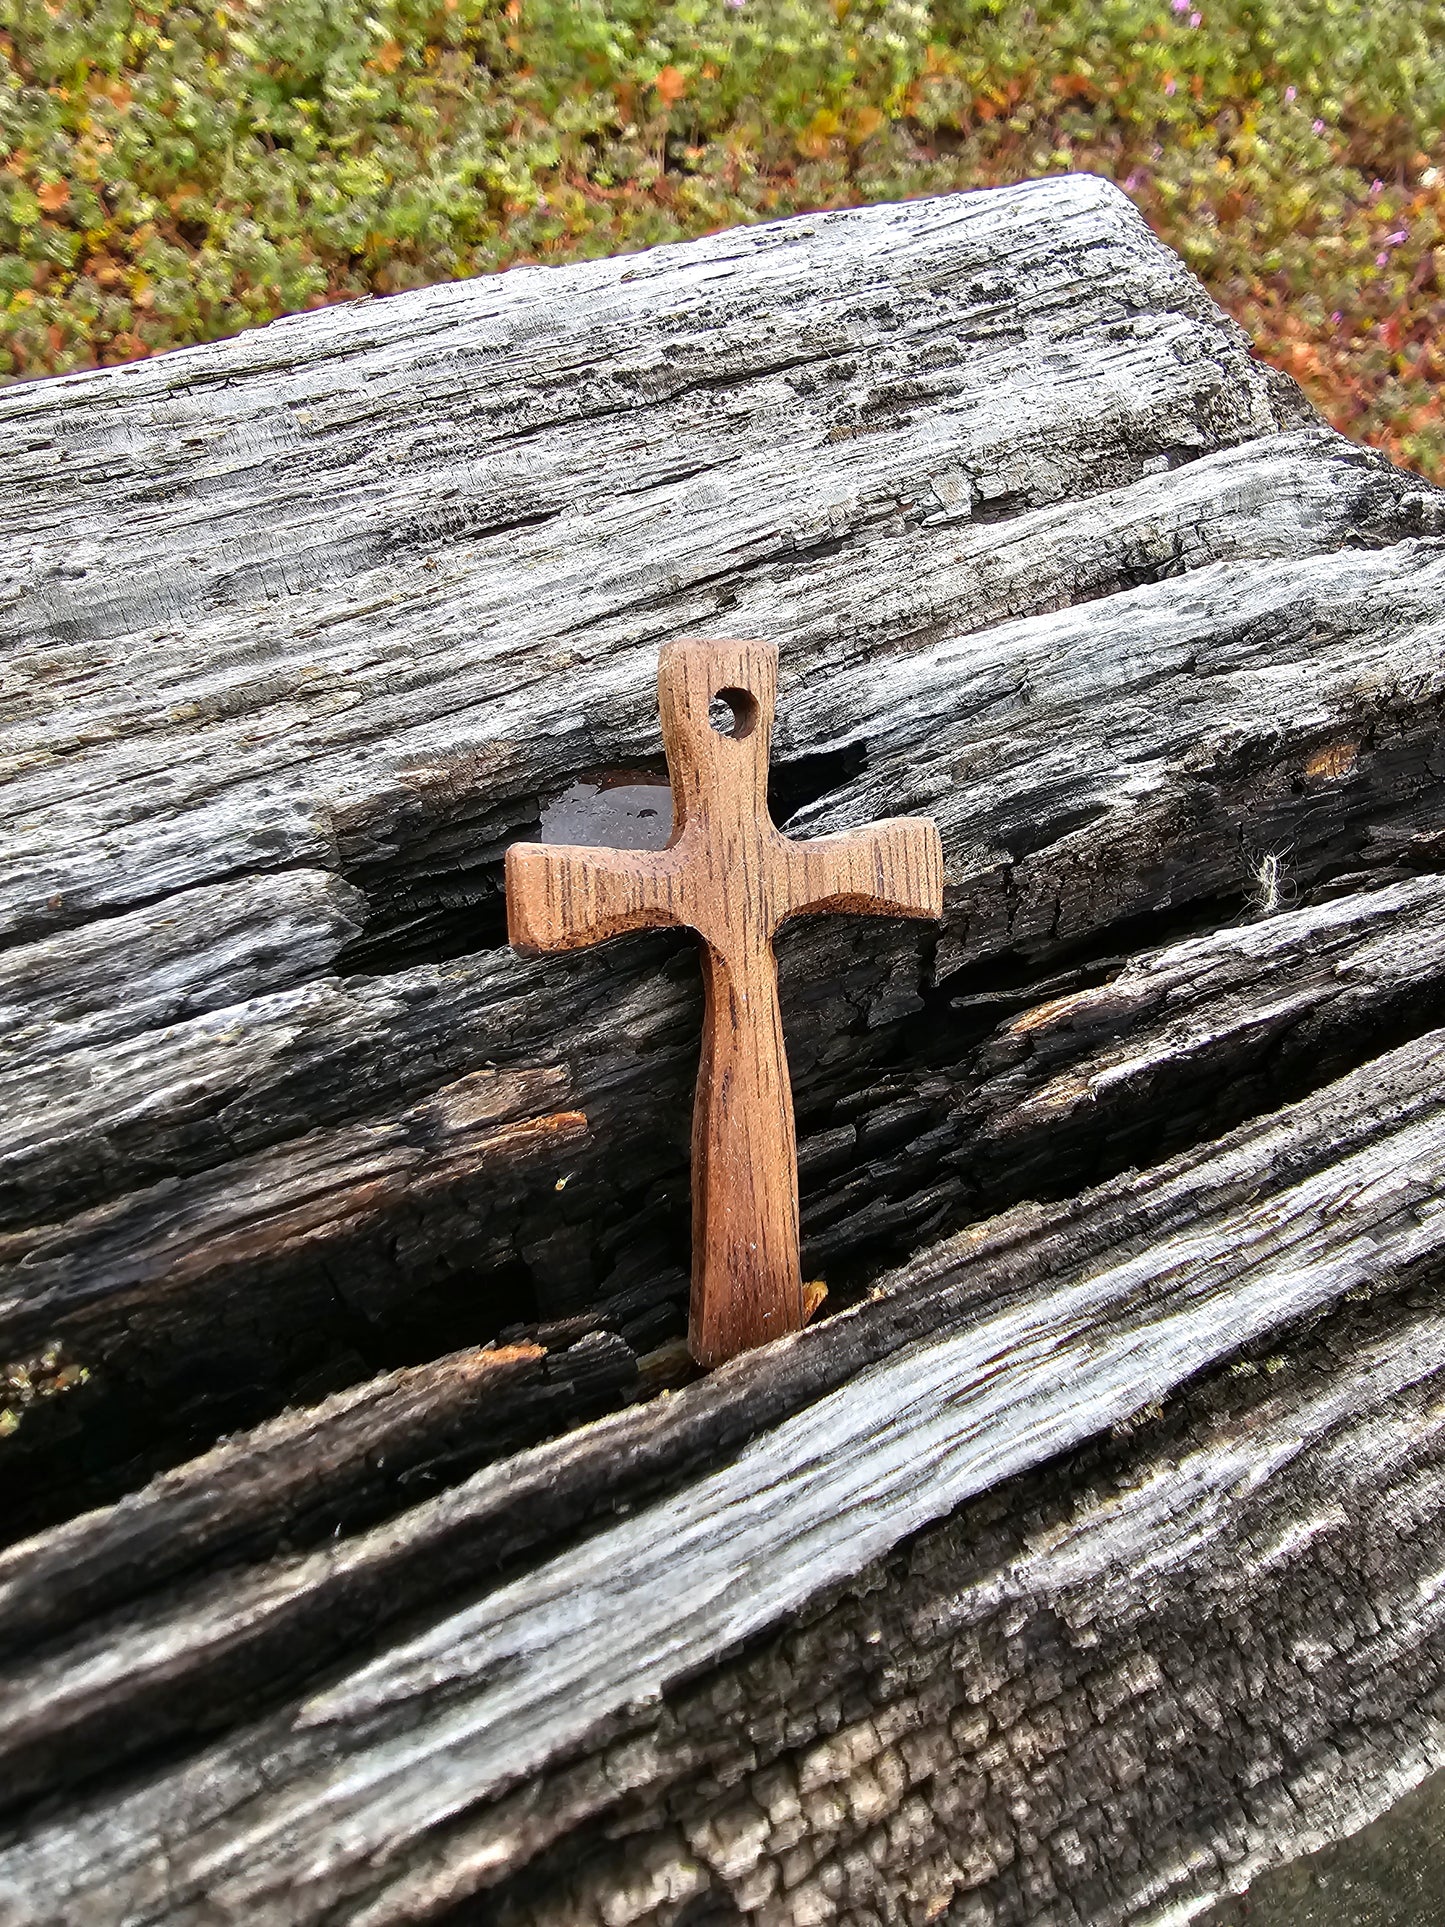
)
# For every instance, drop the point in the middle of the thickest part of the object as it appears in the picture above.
(989, 1357)
(1079, 1563)
(304, 628)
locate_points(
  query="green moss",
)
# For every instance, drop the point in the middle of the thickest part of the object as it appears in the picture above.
(177, 172)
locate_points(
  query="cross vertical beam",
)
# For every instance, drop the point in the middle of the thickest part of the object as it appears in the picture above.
(729, 874)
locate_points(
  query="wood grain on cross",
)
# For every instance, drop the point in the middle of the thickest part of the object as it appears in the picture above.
(728, 874)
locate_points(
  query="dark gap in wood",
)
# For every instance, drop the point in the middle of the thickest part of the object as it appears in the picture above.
(712, 1909)
(462, 522)
(924, 1179)
(1002, 508)
(315, 1473)
(796, 781)
(439, 894)
(616, 1258)
(1012, 980)
(377, 1300)
(627, 1243)
(944, 1180)
(110, 1435)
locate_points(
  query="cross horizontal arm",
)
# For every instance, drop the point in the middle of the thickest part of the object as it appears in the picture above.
(561, 897)
(889, 869)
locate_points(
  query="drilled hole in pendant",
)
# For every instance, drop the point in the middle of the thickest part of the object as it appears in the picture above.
(733, 712)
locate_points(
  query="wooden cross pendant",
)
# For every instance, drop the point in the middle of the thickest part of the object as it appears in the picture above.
(728, 874)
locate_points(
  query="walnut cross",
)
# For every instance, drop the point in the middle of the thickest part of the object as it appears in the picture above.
(728, 874)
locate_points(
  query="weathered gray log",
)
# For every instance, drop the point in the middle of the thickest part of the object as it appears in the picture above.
(300, 630)
(290, 618)
(988, 1357)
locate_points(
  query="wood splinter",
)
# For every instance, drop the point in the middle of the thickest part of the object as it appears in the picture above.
(728, 874)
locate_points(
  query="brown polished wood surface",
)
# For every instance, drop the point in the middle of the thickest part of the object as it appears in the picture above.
(728, 874)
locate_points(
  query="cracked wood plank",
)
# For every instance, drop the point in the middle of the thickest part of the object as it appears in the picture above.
(299, 631)
(1291, 985)
(991, 1355)
(264, 767)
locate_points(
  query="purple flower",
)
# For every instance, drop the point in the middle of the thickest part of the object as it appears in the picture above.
(1317, 126)
(1132, 182)
(1180, 6)
(1382, 260)
(1376, 189)
(1290, 92)
(1337, 317)
(1195, 18)
(1171, 85)
(1394, 240)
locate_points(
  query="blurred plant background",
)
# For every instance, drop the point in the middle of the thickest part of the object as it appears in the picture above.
(174, 172)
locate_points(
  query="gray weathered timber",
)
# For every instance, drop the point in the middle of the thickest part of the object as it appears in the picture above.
(302, 628)
(304, 1475)
(1043, 1330)
(1291, 984)
(1099, 1706)
(1224, 1022)
(1070, 1570)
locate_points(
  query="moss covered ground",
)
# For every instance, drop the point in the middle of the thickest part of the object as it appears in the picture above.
(176, 171)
